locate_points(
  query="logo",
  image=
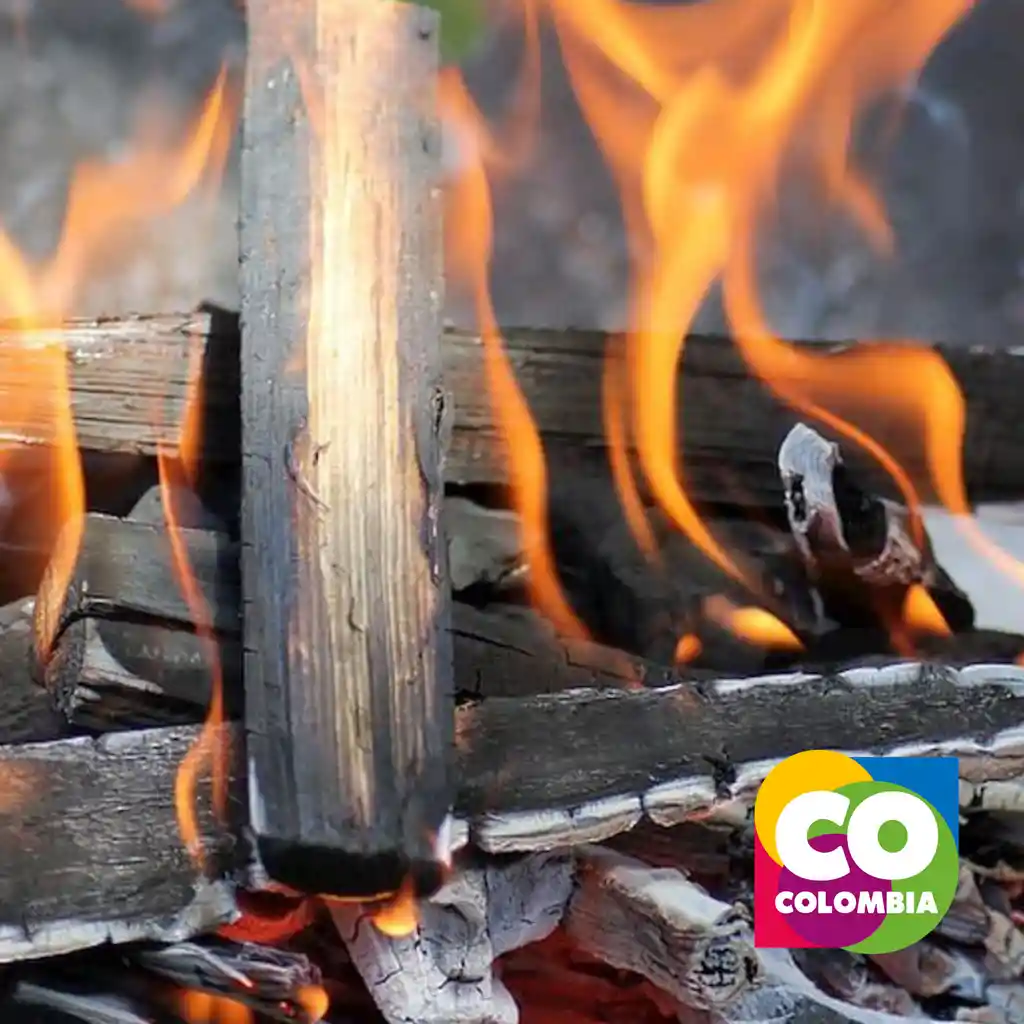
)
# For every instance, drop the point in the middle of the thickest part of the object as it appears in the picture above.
(856, 853)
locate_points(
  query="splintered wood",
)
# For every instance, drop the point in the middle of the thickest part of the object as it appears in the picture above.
(347, 654)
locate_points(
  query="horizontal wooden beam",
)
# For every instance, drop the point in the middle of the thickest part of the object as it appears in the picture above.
(100, 856)
(89, 843)
(129, 383)
(586, 762)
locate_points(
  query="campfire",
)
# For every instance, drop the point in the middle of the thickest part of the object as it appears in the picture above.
(358, 667)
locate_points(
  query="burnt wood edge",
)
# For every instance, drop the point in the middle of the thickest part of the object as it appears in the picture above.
(90, 851)
(124, 653)
(524, 784)
(120, 367)
(584, 764)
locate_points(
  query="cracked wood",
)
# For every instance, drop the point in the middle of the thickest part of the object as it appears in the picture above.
(120, 370)
(346, 653)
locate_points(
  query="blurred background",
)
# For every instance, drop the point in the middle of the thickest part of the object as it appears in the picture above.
(76, 76)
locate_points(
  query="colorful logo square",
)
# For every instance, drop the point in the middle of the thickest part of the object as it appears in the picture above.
(856, 853)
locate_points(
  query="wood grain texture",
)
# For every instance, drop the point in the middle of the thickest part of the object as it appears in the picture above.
(126, 654)
(347, 658)
(600, 752)
(656, 922)
(123, 370)
(89, 848)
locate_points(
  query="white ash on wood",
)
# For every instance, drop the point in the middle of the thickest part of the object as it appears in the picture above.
(443, 972)
(656, 922)
(90, 848)
(582, 764)
(862, 551)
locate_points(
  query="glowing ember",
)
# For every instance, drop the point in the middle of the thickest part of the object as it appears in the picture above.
(688, 648)
(314, 1001)
(206, 1008)
(754, 625)
(269, 918)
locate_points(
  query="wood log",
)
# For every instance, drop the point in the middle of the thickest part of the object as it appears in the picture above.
(121, 370)
(582, 764)
(442, 971)
(654, 921)
(100, 856)
(347, 657)
(90, 851)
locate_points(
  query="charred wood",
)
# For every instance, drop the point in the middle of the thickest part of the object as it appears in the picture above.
(347, 654)
(656, 922)
(862, 551)
(731, 425)
(443, 971)
(586, 763)
(90, 848)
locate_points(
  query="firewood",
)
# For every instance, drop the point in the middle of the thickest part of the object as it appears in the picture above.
(788, 994)
(120, 370)
(90, 851)
(925, 969)
(658, 923)
(115, 868)
(276, 983)
(849, 978)
(347, 656)
(584, 764)
(967, 921)
(862, 551)
(123, 642)
(48, 1001)
(483, 545)
(27, 713)
(442, 972)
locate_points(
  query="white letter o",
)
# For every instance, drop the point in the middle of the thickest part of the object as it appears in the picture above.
(922, 835)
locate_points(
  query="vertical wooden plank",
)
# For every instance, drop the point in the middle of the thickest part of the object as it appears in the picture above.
(348, 662)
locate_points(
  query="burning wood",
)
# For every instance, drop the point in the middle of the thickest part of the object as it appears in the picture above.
(653, 921)
(110, 866)
(442, 971)
(730, 423)
(869, 557)
(344, 427)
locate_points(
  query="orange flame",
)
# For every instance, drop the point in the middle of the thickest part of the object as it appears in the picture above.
(211, 748)
(468, 240)
(104, 200)
(314, 1001)
(206, 1008)
(725, 88)
(921, 614)
(688, 649)
(400, 916)
(203, 156)
(755, 625)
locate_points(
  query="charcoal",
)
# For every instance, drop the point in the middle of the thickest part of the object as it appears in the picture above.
(644, 606)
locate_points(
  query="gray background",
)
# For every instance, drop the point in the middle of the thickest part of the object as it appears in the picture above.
(73, 73)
